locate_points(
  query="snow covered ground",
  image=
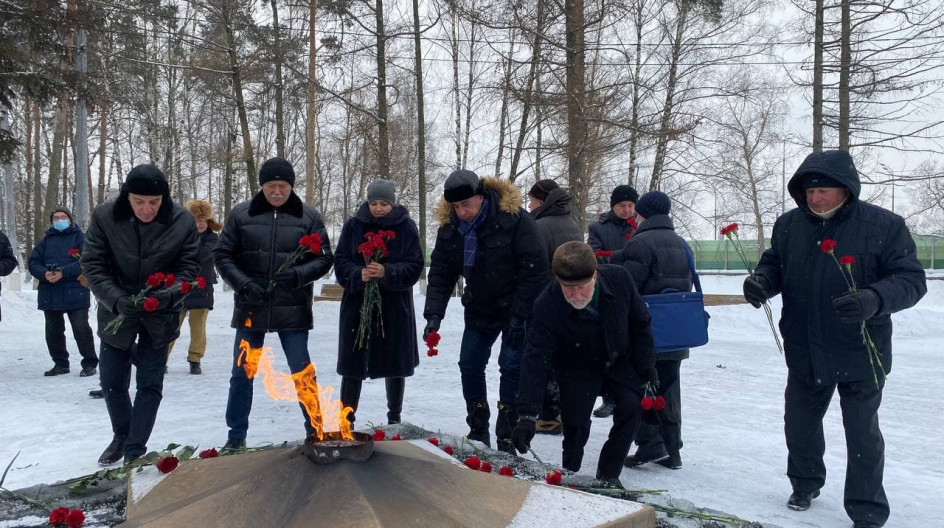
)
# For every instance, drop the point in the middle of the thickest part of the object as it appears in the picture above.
(734, 452)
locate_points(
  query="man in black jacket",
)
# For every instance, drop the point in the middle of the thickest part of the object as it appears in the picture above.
(8, 261)
(140, 233)
(256, 240)
(592, 327)
(656, 258)
(823, 321)
(487, 238)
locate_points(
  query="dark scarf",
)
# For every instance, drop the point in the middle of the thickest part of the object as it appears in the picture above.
(467, 229)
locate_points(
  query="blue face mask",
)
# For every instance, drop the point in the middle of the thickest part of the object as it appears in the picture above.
(61, 225)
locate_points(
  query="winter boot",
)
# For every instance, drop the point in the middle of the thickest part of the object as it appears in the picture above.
(605, 409)
(801, 500)
(351, 395)
(477, 416)
(195, 368)
(507, 418)
(114, 451)
(232, 445)
(395, 388)
(57, 370)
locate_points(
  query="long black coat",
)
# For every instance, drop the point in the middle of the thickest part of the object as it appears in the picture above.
(66, 294)
(396, 353)
(610, 233)
(554, 221)
(511, 264)
(255, 241)
(7, 258)
(552, 341)
(817, 345)
(656, 259)
(199, 299)
(119, 254)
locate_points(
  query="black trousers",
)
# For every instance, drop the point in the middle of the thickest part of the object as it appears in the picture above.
(805, 405)
(134, 421)
(578, 394)
(81, 331)
(652, 438)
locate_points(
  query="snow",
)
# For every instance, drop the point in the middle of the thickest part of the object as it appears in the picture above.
(734, 452)
(553, 506)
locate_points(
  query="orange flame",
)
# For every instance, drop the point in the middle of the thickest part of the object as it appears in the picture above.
(328, 417)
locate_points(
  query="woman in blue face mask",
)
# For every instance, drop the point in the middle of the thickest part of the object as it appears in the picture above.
(54, 262)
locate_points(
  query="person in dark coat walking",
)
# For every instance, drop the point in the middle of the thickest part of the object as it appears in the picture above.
(657, 260)
(54, 262)
(550, 207)
(822, 321)
(592, 328)
(487, 238)
(198, 304)
(612, 232)
(8, 261)
(256, 240)
(140, 233)
(394, 354)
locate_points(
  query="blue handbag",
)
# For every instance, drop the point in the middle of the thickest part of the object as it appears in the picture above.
(679, 320)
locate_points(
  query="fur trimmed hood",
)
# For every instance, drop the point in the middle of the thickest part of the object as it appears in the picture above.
(508, 200)
(201, 209)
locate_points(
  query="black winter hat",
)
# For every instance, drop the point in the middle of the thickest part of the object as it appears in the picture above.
(277, 169)
(542, 188)
(146, 180)
(654, 203)
(623, 193)
(65, 210)
(574, 263)
(461, 185)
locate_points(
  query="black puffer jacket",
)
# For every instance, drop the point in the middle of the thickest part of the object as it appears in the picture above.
(656, 259)
(255, 241)
(119, 254)
(817, 345)
(199, 299)
(395, 353)
(67, 293)
(511, 264)
(554, 221)
(610, 233)
(8, 261)
(629, 353)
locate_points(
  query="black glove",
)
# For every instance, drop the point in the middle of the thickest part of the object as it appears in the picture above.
(515, 332)
(126, 307)
(164, 297)
(286, 278)
(653, 378)
(523, 432)
(432, 325)
(857, 307)
(755, 290)
(253, 293)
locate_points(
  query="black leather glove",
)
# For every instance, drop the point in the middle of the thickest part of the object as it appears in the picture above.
(432, 325)
(756, 290)
(515, 332)
(286, 278)
(857, 307)
(653, 378)
(127, 308)
(523, 432)
(253, 293)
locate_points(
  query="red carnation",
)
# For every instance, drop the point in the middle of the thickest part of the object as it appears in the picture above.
(486, 467)
(390, 235)
(601, 253)
(506, 471)
(432, 340)
(432, 352)
(827, 245)
(75, 519)
(74, 252)
(379, 435)
(659, 403)
(396, 437)
(553, 478)
(433, 440)
(155, 279)
(730, 228)
(169, 280)
(57, 517)
(473, 462)
(167, 464)
(209, 453)
(647, 403)
(201, 283)
(448, 450)
(628, 236)
(185, 287)
(848, 260)
(314, 243)
(151, 304)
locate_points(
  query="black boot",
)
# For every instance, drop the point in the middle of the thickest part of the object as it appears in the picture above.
(195, 368)
(114, 451)
(351, 395)
(395, 388)
(507, 418)
(477, 417)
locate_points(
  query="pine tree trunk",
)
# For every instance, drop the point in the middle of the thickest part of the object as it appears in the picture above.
(420, 125)
(818, 78)
(845, 62)
(279, 85)
(311, 110)
(665, 131)
(383, 141)
(576, 105)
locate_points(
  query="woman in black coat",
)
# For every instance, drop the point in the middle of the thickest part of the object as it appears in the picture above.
(394, 354)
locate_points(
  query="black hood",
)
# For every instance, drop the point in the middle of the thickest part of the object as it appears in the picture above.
(556, 204)
(835, 164)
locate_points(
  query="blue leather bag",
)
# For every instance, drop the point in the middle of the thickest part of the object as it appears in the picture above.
(679, 319)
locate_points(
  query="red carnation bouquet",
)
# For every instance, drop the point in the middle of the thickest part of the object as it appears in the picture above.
(650, 402)
(603, 256)
(306, 244)
(373, 250)
(731, 231)
(432, 341)
(150, 303)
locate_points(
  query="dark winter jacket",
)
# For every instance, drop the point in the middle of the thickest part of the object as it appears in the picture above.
(199, 299)
(255, 241)
(656, 259)
(511, 264)
(552, 341)
(119, 254)
(817, 345)
(610, 233)
(53, 250)
(554, 221)
(395, 353)
(7, 258)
